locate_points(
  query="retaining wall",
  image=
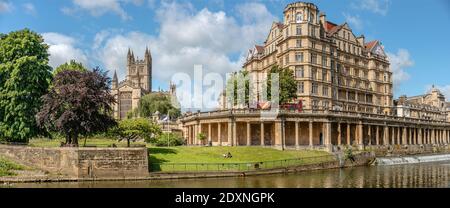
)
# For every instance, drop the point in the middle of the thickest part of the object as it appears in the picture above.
(83, 162)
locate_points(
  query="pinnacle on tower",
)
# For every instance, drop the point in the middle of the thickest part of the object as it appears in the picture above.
(115, 81)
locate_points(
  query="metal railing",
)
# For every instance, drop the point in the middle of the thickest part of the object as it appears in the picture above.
(243, 166)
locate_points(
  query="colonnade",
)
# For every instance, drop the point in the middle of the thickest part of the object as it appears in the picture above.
(311, 133)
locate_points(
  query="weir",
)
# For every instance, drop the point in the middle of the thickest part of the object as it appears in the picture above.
(411, 159)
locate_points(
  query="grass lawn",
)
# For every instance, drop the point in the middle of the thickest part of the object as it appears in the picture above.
(7, 167)
(174, 158)
(96, 141)
(207, 158)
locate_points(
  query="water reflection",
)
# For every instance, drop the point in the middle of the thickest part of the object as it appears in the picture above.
(426, 175)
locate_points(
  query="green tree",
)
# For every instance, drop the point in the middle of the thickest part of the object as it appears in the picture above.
(138, 128)
(24, 78)
(153, 102)
(287, 83)
(71, 65)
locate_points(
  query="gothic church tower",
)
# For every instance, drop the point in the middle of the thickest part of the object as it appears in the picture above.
(139, 72)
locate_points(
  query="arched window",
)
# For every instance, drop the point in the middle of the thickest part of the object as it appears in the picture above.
(299, 17)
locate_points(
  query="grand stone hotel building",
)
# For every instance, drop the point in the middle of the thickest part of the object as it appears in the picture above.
(345, 84)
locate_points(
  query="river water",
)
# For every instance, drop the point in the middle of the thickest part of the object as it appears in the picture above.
(424, 175)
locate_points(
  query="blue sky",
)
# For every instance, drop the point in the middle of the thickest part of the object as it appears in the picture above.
(217, 33)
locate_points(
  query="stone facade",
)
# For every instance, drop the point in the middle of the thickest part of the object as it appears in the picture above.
(334, 68)
(138, 82)
(83, 162)
(430, 106)
(345, 85)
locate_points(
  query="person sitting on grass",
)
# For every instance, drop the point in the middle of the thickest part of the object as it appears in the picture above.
(228, 155)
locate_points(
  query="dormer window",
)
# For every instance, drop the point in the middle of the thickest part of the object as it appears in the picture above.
(299, 17)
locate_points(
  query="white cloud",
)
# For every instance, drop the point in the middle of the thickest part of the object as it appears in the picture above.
(376, 6)
(189, 37)
(62, 49)
(400, 61)
(100, 7)
(5, 6)
(354, 21)
(29, 8)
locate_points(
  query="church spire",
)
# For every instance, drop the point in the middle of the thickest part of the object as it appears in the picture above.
(115, 81)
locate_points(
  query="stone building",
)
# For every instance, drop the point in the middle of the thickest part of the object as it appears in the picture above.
(138, 82)
(430, 106)
(334, 68)
(345, 85)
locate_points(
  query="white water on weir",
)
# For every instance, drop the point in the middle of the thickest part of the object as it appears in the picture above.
(411, 159)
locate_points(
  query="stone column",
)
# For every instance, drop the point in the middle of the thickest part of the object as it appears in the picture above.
(230, 133)
(219, 133)
(235, 140)
(433, 136)
(410, 136)
(360, 134)
(297, 138)
(327, 136)
(339, 136)
(262, 134)
(311, 144)
(209, 133)
(199, 131)
(278, 134)
(369, 127)
(392, 142)
(420, 137)
(249, 134)
(377, 137)
(348, 134)
(404, 136)
(397, 140)
(386, 135)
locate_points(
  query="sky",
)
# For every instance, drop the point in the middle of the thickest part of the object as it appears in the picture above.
(218, 33)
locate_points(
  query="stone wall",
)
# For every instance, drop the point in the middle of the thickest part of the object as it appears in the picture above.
(83, 162)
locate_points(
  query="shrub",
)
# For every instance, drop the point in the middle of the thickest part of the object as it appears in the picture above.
(170, 139)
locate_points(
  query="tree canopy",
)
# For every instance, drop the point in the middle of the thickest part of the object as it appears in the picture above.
(287, 84)
(138, 128)
(153, 102)
(71, 65)
(78, 103)
(24, 77)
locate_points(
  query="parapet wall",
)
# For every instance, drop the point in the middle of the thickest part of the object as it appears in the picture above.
(83, 162)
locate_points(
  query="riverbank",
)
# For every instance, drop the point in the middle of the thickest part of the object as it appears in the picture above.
(359, 160)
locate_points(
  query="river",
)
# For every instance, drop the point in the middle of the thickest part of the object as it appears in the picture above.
(424, 175)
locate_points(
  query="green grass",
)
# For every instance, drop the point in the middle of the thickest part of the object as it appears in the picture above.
(95, 141)
(244, 158)
(7, 167)
(207, 158)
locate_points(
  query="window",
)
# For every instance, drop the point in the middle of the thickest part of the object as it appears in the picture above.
(313, 45)
(313, 58)
(287, 59)
(301, 88)
(299, 30)
(324, 61)
(299, 71)
(325, 91)
(299, 17)
(287, 31)
(325, 104)
(324, 75)
(313, 74)
(299, 57)
(315, 103)
(299, 43)
(314, 89)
